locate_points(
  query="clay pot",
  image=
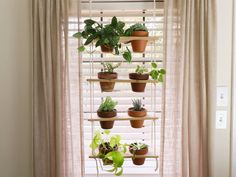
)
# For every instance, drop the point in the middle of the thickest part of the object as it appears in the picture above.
(139, 45)
(107, 124)
(105, 149)
(138, 87)
(107, 86)
(106, 49)
(133, 113)
(138, 161)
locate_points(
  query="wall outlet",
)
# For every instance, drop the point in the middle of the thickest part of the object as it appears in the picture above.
(222, 96)
(221, 119)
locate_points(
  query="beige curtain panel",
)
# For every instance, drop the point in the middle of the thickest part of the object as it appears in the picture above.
(190, 40)
(55, 152)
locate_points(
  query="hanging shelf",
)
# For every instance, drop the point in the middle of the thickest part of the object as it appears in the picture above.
(122, 80)
(123, 119)
(127, 39)
(130, 156)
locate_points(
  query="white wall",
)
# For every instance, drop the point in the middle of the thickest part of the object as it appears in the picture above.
(15, 89)
(219, 145)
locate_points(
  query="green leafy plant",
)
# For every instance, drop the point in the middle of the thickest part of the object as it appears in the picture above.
(137, 104)
(141, 69)
(138, 146)
(156, 73)
(135, 27)
(108, 35)
(107, 105)
(109, 67)
(114, 150)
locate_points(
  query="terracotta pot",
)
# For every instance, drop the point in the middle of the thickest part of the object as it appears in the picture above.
(106, 49)
(138, 161)
(138, 87)
(133, 113)
(139, 45)
(107, 86)
(107, 124)
(105, 149)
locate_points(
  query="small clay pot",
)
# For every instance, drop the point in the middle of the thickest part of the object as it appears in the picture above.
(107, 124)
(133, 113)
(105, 149)
(139, 45)
(138, 87)
(106, 49)
(107, 86)
(138, 161)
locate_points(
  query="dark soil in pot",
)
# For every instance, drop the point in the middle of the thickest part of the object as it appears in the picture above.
(107, 124)
(106, 49)
(105, 149)
(138, 161)
(139, 45)
(107, 86)
(133, 113)
(138, 87)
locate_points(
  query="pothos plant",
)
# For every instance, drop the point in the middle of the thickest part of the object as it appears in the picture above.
(156, 73)
(111, 150)
(105, 35)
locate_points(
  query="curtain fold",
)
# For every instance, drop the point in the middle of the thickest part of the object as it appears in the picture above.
(55, 154)
(190, 40)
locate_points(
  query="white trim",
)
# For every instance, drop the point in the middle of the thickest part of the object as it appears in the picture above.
(233, 147)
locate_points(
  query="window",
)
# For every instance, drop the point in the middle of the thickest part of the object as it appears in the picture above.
(132, 11)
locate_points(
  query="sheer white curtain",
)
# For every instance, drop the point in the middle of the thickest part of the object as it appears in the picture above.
(189, 54)
(58, 137)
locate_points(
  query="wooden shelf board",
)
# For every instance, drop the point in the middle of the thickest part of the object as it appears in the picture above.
(122, 80)
(123, 119)
(131, 156)
(127, 39)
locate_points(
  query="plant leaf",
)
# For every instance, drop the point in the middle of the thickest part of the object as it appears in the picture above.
(119, 173)
(114, 21)
(81, 48)
(90, 39)
(107, 132)
(162, 71)
(89, 22)
(77, 35)
(154, 65)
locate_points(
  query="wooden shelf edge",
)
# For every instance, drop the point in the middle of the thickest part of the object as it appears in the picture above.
(127, 39)
(122, 80)
(131, 156)
(123, 119)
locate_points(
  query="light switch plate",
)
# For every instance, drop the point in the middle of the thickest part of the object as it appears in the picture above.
(222, 96)
(221, 119)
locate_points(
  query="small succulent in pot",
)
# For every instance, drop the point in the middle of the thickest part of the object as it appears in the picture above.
(107, 110)
(138, 149)
(139, 30)
(106, 36)
(137, 111)
(142, 73)
(110, 150)
(107, 72)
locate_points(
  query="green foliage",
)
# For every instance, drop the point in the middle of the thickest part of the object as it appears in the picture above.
(157, 74)
(107, 105)
(137, 104)
(109, 67)
(141, 69)
(135, 27)
(116, 156)
(108, 35)
(138, 146)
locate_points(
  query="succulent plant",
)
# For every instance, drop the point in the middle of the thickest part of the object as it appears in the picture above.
(138, 146)
(107, 105)
(135, 27)
(137, 104)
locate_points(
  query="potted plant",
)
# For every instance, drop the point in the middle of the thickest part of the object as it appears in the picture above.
(137, 111)
(107, 72)
(141, 73)
(138, 149)
(110, 150)
(139, 30)
(106, 36)
(107, 110)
